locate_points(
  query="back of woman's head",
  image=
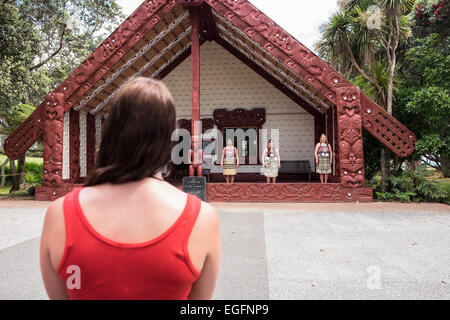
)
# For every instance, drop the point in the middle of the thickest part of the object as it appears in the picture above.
(136, 136)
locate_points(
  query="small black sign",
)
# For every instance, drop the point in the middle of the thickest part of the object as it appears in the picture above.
(195, 186)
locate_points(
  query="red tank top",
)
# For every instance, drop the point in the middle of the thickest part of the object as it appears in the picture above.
(94, 267)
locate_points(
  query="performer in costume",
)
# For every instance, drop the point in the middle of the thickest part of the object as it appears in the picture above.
(230, 161)
(271, 162)
(324, 158)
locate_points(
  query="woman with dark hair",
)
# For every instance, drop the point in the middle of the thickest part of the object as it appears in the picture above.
(324, 157)
(271, 162)
(128, 234)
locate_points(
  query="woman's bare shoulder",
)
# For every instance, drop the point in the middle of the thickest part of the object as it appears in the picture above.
(208, 218)
(54, 225)
(55, 210)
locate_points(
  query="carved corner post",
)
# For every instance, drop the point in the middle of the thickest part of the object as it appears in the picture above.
(196, 140)
(53, 147)
(351, 155)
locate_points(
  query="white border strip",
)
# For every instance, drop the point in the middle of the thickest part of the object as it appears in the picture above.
(83, 143)
(66, 147)
(98, 130)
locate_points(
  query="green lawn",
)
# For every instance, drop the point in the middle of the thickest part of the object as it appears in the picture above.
(4, 192)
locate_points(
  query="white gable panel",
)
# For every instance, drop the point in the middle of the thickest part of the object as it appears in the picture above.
(226, 82)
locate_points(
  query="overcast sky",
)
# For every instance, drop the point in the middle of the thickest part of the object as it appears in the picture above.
(301, 18)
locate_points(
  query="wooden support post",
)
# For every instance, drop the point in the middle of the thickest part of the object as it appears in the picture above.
(53, 147)
(196, 155)
(195, 65)
(351, 155)
(53, 139)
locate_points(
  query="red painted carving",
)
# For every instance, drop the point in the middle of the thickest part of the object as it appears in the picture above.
(190, 3)
(53, 139)
(207, 124)
(351, 154)
(184, 124)
(386, 128)
(25, 135)
(196, 157)
(239, 117)
(46, 193)
(196, 152)
(74, 146)
(286, 192)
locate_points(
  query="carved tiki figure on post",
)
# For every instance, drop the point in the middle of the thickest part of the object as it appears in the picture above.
(351, 154)
(53, 139)
(196, 153)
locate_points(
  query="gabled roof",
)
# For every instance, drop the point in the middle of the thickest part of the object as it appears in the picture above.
(156, 38)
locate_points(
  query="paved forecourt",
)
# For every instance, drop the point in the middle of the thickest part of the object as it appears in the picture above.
(285, 251)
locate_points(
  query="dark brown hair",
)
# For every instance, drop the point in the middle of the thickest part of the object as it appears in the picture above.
(269, 148)
(136, 136)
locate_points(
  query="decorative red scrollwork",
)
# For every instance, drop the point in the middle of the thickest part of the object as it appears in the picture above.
(286, 192)
(351, 155)
(239, 117)
(49, 193)
(190, 3)
(394, 135)
(25, 135)
(53, 139)
(207, 124)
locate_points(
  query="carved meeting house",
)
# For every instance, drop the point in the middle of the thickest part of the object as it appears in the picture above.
(229, 66)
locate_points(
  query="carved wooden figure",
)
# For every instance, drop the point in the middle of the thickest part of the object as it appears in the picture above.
(351, 155)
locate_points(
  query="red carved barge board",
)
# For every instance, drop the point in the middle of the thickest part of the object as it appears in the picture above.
(286, 192)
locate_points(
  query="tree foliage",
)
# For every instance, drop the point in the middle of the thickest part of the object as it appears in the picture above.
(424, 97)
(41, 42)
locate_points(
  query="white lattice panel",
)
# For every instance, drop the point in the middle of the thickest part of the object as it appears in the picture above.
(83, 144)
(226, 82)
(66, 146)
(98, 130)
